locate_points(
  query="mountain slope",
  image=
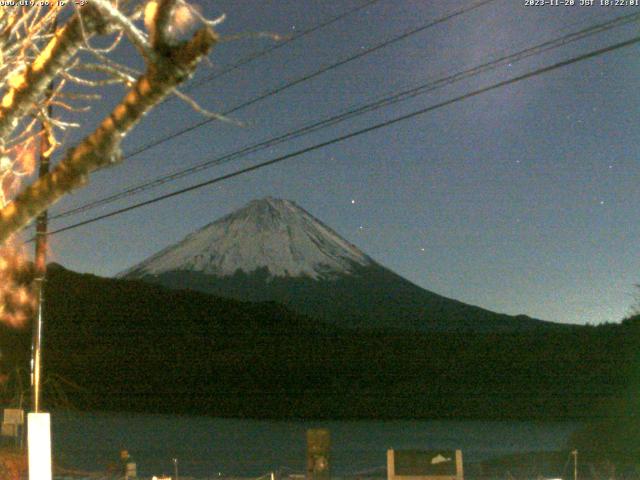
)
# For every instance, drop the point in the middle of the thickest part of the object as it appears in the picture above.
(129, 345)
(273, 250)
(372, 297)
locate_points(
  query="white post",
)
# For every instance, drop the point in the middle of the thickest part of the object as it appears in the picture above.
(39, 445)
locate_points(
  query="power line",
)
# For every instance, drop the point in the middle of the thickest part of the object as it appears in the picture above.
(353, 112)
(250, 58)
(356, 133)
(315, 74)
(280, 44)
(307, 77)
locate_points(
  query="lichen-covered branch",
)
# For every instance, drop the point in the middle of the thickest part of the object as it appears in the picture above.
(136, 36)
(102, 147)
(164, 11)
(30, 85)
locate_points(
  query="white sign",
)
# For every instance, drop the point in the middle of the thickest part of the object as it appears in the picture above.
(39, 444)
(424, 465)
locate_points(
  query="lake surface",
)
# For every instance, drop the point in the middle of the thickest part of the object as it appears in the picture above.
(207, 447)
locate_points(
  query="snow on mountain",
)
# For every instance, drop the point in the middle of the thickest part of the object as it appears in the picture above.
(269, 233)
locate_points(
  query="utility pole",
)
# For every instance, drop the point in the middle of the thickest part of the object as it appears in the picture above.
(175, 468)
(40, 275)
(40, 262)
(38, 423)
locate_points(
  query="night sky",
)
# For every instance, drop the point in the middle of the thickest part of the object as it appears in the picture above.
(521, 200)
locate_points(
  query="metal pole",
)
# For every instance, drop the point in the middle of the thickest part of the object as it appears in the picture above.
(39, 283)
(175, 468)
(40, 266)
(575, 464)
(36, 347)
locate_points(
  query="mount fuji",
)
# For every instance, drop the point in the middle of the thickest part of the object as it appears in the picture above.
(274, 250)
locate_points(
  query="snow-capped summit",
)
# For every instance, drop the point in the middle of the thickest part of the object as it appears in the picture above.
(270, 233)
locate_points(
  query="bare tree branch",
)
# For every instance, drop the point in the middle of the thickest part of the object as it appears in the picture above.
(203, 111)
(102, 148)
(32, 84)
(135, 35)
